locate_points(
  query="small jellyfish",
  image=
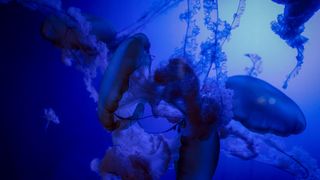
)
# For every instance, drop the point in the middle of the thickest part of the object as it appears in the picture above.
(129, 56)
(94, 165)
(263, 108)
(50, 116)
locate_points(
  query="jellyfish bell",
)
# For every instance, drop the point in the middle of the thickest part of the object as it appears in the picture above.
(129, 56)
(262, 108)
(181, 89)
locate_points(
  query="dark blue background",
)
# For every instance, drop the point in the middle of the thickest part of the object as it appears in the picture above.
(32, 78)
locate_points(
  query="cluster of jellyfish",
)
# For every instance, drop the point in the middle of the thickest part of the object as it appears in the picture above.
(209, 112)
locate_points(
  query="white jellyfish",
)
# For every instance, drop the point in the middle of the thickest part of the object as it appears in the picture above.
(51, 117)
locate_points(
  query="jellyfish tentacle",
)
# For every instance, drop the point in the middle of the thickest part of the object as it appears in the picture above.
(231, 132)
(268, 151)
(275, 146)
(198, 158)
(290, 26)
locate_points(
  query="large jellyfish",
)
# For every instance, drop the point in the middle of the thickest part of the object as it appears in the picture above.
(200, 144)
(128, 57)
(262, 108)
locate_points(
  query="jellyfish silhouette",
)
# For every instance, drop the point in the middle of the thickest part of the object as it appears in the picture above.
(262, 108)
(297, 12)
(181, 88)
(128, 57)
(198, 158)
(290, 26)
(200, 144)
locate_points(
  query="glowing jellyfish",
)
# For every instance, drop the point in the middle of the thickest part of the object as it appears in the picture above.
(129, 56)
(263, 108)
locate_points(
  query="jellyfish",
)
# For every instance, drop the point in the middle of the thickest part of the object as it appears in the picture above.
(129, 56)
(263, 108)
(176, 94)
(65, 32)
(51, 117)
(181, 88)
(200, 144)
(297, 12)
(94, 165)
(290, 25)
(83, 40)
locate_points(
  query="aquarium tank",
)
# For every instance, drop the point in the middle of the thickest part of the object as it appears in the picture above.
(160, 89)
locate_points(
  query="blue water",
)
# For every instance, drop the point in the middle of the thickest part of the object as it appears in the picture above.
(33, 77)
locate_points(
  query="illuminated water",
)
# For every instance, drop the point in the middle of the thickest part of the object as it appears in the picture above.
(34, 78)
